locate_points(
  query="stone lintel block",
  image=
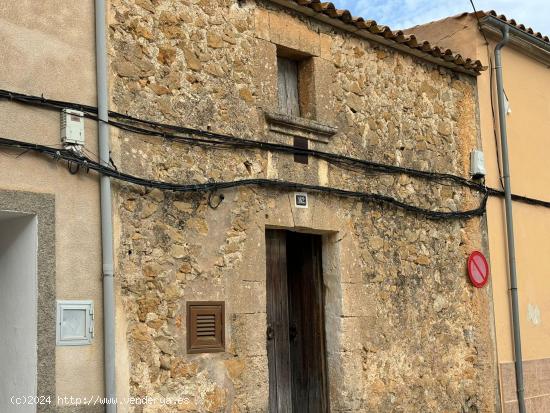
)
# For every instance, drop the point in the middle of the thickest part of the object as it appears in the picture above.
(287, 31)
(318, 217)
(204, 290)
(279, 214)
(261, 23)
(303, 217)
(299, 127)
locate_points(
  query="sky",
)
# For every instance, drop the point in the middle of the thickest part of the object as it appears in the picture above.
(401, 14)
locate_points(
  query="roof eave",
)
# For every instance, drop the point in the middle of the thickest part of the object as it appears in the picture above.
(524, 42)
(372, 37)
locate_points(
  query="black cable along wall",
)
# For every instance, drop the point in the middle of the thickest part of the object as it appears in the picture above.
(207, 138)
(88, 164)
(199, 137)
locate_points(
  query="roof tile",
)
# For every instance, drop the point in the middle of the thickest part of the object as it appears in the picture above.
(513, 22)
(345, 16)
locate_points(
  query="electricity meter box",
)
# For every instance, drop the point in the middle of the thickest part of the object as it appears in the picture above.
(72, 127)
(75, 322)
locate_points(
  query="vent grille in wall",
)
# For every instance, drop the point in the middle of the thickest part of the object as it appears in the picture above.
(205, 326)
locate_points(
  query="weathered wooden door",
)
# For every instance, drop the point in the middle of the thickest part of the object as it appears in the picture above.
(295, 331)
(278, 343)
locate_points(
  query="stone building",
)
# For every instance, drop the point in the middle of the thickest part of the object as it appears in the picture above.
(404, 330)
(244, 299)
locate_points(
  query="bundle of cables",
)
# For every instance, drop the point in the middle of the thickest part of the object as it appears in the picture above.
(197, 137)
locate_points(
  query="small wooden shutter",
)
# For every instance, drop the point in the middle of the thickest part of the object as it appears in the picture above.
(205, 326)
(289, 101)
(301, 143)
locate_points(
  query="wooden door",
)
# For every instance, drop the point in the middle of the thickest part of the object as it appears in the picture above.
(295, 314)
(306, 323)
(278, 344)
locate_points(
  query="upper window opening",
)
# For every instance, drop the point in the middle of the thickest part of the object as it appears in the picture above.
(295, 83)
(289, 97)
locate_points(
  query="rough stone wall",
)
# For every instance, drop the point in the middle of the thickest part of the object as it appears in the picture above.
(405, 330)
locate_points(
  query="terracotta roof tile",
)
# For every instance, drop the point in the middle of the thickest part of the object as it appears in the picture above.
(399, 37)
(512, 22)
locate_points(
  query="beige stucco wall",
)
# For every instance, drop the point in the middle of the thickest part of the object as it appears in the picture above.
(527, 83)
(48, 48)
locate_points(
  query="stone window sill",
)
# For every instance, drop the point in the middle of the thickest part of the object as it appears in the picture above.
(300, 127)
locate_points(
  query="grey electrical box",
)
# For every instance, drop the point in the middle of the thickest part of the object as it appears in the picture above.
(477, 164)
(72, 127)
(75, 322)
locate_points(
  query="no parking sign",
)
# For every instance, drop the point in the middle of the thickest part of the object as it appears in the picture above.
(478, 269)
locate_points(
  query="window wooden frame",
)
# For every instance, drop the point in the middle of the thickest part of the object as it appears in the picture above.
(295, 83)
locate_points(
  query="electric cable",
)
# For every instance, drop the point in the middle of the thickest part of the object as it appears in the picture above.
(89, 164)
(208, 138)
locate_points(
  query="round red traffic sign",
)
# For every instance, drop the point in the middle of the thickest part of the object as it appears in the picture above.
(478, 269)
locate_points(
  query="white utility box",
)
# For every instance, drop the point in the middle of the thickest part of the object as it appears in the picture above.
(72, 127)
(477, 164)
(75, 322)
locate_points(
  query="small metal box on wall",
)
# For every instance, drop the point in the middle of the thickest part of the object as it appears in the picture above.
(72, 127)
(75, 322)
(477, 164)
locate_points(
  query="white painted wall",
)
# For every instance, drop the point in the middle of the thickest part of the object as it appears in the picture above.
(18, 309)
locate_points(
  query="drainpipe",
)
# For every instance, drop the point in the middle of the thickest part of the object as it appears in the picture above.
(509, 218)
(105, 208)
